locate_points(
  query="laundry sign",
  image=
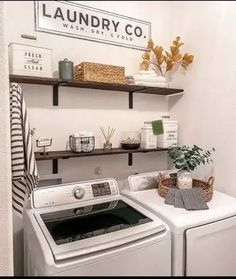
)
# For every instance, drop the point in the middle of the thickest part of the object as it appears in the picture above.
(75, 20)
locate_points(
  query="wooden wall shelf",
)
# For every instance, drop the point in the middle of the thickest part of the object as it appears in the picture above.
(96, 152)
(55, 155)
(56, 83)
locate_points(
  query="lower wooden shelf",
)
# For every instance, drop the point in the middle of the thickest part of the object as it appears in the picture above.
(55, 155)
(52, 155)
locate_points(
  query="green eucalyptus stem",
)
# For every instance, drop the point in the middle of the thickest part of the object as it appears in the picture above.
(189, 158)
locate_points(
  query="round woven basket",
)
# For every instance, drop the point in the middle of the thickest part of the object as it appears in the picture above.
(166, 183)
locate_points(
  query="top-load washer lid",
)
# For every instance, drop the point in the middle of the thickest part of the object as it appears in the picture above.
(86, 225)
(79, 223)
(179, 219)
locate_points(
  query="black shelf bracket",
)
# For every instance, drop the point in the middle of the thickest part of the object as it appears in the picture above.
(55, 95)
(55, 163)
(130, 100)
(54, 166)
(131, 97)
(130, 159)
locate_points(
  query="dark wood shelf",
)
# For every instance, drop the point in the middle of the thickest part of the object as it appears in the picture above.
(55, 82)
(52, 155)
(34, 80)
(160, 90)
(102, 86)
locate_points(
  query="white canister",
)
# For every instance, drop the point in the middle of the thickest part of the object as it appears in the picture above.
(148, 139)
(170, 134)
(30, 60)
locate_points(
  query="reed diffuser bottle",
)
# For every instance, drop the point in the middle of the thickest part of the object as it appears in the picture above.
(107, 135)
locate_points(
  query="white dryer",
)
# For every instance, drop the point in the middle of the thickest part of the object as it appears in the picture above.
(203, 241)
(88, 228)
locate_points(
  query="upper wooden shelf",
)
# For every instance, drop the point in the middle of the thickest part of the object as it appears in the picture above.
(33, 80)
(95, 85)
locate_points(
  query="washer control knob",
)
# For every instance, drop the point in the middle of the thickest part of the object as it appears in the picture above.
(79, 193)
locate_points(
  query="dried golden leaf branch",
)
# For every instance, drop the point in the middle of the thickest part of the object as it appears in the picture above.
(161, 57)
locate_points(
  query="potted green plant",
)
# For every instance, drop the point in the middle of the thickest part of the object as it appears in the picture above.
(186, 159)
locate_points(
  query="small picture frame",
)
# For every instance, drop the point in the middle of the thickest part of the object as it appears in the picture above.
(44, 142)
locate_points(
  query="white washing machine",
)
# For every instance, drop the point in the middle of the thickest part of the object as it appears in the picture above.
(203, 241)
(88, 228)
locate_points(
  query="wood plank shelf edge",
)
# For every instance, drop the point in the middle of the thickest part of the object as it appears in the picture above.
(95, 85)
(96, 152)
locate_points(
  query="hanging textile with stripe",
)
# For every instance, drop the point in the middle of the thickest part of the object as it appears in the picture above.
(24, 169)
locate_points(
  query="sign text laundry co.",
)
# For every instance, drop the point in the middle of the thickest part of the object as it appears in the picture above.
(75, 20)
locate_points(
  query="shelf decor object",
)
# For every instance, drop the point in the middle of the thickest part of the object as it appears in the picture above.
(87, 71)
(30, 60)
(107, 136)
(80, 143)
(163, 61)
(186, 159)
(43, 143)
(165, 184)
(66, 69)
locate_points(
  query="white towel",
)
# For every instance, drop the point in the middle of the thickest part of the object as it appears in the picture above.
(151, 84)
(149, 72)
(149, 78)
(24, 169)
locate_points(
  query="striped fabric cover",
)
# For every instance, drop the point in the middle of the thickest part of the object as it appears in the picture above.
(24, 169)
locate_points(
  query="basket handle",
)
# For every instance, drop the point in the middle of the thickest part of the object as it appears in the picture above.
(160, 177)
(211, 180)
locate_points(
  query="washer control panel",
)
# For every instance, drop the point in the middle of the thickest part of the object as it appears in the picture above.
(101, 189)
(73, 192)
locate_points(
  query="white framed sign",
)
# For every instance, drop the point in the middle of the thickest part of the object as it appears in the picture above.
(67, 18)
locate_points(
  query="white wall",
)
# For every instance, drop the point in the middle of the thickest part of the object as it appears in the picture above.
(84, 109)
(207, 110)
(6, 254)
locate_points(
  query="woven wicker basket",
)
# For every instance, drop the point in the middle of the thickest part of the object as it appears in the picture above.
(166, 183)
(95, 72)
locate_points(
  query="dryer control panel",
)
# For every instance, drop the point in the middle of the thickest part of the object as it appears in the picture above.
(149, 180)
(73, 192)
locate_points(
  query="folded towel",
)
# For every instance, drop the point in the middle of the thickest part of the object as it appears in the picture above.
(149, 78)
(129, 77)
(179, 203)
(154, 84)
(149, 72)
(194, 199)
(157, 127)
(170, 197)
(150, 84)
(190, 199)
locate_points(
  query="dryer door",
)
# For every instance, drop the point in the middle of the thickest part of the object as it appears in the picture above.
(211, 249)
